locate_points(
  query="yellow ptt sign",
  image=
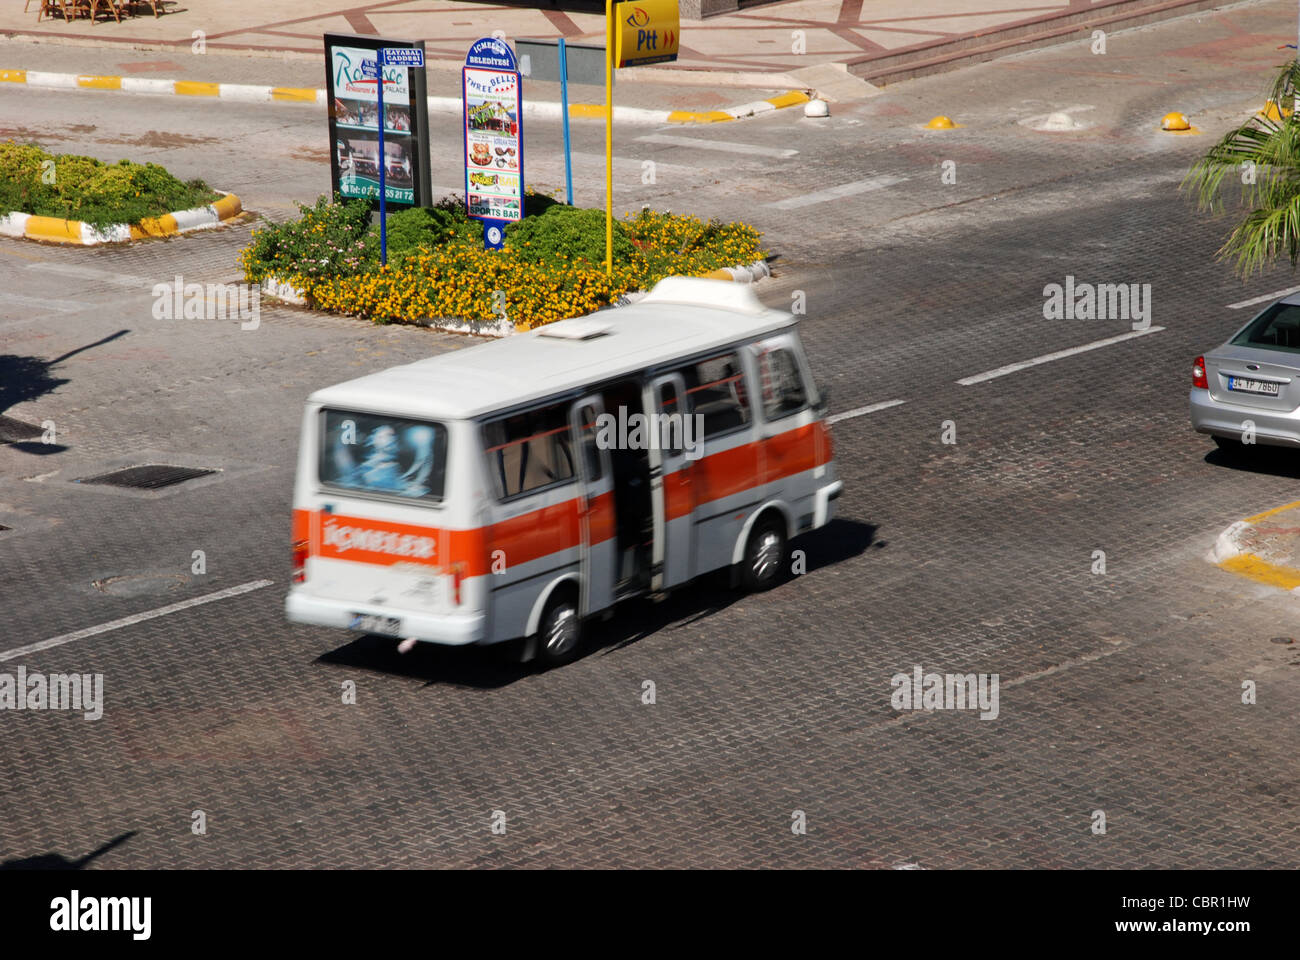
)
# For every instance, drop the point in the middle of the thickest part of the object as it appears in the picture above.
(647, 31)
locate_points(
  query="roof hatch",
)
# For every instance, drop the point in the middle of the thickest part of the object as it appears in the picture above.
(579, 328)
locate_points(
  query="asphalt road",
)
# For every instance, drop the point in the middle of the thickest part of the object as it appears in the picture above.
(1120, 692)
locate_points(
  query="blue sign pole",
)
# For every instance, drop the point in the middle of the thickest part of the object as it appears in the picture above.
(564, 109)
(383, 168)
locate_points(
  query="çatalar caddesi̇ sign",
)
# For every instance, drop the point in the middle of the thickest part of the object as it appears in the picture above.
(494, 142)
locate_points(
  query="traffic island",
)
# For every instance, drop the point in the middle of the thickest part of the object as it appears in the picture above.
(439, 274)
(1264, 548)
(64, 198)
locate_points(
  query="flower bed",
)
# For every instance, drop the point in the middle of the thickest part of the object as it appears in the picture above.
(69, 187)
(552, 266)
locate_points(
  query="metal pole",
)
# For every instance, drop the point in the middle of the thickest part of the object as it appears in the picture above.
(564, 108)
(609, 137)
(383, 169)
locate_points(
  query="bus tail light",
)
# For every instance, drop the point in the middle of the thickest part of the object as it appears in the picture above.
(457, 578)
(299, 561)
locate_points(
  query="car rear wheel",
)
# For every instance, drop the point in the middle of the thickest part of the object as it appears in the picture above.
(764, 563)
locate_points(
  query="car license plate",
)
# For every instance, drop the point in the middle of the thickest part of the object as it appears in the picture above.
(1254, 386)
(373, 623)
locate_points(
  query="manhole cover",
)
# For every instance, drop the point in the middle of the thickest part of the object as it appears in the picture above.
(149, 476)
(140, 584)
(16, 431)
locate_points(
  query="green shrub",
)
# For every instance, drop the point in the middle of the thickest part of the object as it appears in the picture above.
(568, 232)
(426, 228)
(329, 239)
(83, 188)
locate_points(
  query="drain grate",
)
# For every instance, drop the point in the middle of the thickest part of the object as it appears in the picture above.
(16, 431)
(148, 476)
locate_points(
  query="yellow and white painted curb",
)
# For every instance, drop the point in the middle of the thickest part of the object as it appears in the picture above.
(243, 92)
(54, 230)
(1237, 551)
(252, 93)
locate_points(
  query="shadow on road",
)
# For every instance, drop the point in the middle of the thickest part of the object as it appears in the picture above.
(23, 379)
(488, 668)
(55, 861)
(1273, 461)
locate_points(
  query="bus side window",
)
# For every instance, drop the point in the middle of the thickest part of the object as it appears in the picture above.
(529, 450)
(717, 390)
(784, 392)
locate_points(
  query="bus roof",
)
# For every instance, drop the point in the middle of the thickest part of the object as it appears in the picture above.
(680, 317)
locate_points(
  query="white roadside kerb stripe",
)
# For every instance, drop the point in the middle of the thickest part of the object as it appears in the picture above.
(1059, 355)
(133, 619)
(862, 411)
(1268, 296)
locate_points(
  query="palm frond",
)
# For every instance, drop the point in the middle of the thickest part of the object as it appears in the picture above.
(1270, 151)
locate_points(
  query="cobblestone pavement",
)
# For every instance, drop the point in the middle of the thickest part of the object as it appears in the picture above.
(1120, 691)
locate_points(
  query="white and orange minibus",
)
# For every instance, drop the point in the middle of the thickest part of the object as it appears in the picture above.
(514, 489)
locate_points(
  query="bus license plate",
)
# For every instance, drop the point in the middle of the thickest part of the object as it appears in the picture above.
(373, 623)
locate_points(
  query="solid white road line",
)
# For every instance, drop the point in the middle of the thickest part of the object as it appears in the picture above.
(135, 618)
(1268, 296)
(835, 193)
(1059, 355)
(861, 411)
(718, 145)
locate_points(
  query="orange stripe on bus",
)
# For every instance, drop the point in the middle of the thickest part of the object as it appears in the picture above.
(540, 533)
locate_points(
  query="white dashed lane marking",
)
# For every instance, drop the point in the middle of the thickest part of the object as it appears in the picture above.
(750, 148)
(861, 411)
(1268, 296)
(835, 193)
(133, 619)
(1058, 355)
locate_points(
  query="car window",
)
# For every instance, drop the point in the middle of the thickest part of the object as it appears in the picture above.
(782, 383)
(528, 451)
(1277, 328)
(381, 454)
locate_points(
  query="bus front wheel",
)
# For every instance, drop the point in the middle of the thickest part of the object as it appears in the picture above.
(764, 562)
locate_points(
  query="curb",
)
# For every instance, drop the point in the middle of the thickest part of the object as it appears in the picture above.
(53, 230)
(249, 93)
(288, 293)
(1229, 553)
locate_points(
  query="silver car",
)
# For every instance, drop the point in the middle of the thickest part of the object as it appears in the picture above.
(1249, 388)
